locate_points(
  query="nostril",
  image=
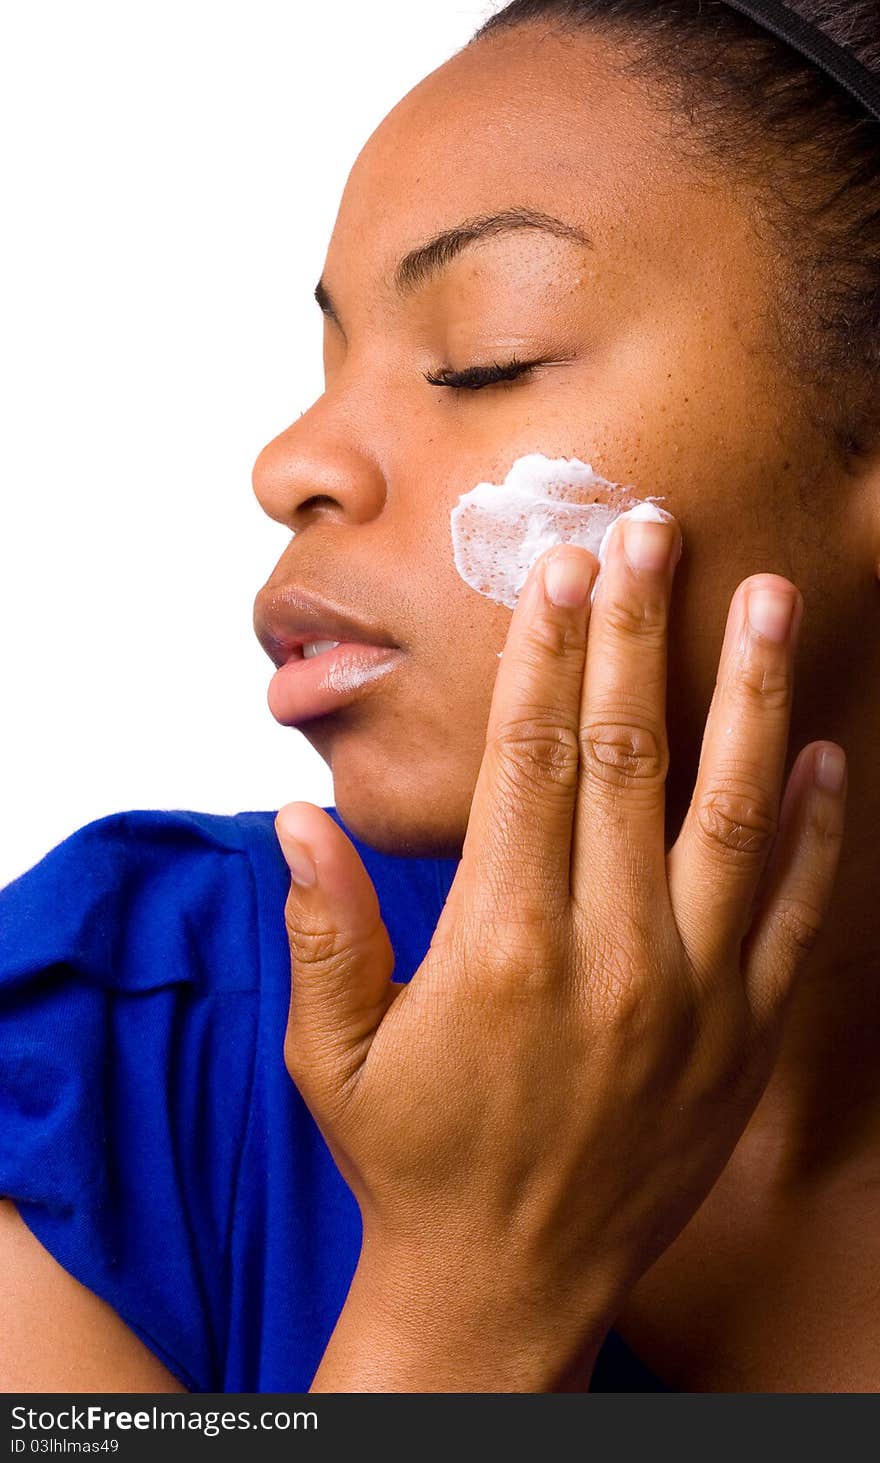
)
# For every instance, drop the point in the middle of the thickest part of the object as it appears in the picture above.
(319, 501)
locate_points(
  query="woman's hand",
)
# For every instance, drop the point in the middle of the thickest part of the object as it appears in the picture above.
(530, 1122)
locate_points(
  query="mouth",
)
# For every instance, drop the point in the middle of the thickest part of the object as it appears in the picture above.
(313, 684)
(325, 657)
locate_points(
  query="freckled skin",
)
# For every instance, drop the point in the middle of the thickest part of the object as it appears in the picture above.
(669, 378)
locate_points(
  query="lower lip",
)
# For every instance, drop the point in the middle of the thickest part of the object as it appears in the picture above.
(302, 689)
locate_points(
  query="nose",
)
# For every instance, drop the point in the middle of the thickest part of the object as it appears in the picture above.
(317, 468)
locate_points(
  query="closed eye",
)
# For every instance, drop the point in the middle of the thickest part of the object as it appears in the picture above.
(475, 378)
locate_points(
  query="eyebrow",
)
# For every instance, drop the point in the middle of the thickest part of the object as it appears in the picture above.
(425, 260)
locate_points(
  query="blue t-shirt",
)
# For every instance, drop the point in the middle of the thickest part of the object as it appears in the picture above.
(150, 1135)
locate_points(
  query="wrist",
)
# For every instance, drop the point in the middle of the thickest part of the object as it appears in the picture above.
(414, 1323)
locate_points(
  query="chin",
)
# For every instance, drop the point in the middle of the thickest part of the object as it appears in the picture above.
(401, 807)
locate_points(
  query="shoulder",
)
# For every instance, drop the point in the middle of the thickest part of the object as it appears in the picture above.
(144, 898)
(138, 899)
(130, 979)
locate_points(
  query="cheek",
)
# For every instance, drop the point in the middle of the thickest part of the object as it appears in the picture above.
(499, 529)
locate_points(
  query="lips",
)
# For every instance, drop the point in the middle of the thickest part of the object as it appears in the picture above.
(306, 687)
(286, 618)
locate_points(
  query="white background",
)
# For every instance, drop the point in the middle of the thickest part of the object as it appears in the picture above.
(170, 177)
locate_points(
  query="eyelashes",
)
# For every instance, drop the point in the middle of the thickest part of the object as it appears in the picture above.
(475, 378)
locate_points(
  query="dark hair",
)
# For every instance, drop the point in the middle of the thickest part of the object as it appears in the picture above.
(754, 104)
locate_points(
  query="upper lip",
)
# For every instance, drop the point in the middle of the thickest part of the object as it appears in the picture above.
(286, 617)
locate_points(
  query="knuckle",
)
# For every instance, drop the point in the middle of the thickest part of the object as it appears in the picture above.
(621, 753)
(521, 954)
(617, 994)
(316, 947)
(826, 826)
(553, 635)
(799, 923)
(296, 1055)
(310, 1050)
(765, 686)
(620, 997)
(736, 820)
(626, 616)
(534, 750)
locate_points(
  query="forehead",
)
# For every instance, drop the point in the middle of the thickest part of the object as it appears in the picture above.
(525, 118)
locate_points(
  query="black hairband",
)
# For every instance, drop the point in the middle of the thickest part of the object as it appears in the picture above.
(805, 37)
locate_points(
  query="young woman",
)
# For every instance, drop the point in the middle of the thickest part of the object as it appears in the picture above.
(622, 1129)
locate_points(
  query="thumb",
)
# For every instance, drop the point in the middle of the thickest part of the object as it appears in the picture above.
(341, 958)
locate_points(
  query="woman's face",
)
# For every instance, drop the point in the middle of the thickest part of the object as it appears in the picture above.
(664, 374)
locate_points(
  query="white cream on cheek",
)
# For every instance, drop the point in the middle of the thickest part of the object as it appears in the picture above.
(500, 529)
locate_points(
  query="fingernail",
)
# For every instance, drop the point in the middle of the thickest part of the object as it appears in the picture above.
(830, 769)
(568, 576)
(647, 545)
(298, 859)
(770, 613)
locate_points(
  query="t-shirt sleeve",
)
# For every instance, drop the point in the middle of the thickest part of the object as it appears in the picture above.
(129, 980)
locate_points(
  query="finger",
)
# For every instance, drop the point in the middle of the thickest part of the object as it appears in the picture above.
(341, 958)
(515, 861)
(796, 890)
(619, 819)
(722, 849)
